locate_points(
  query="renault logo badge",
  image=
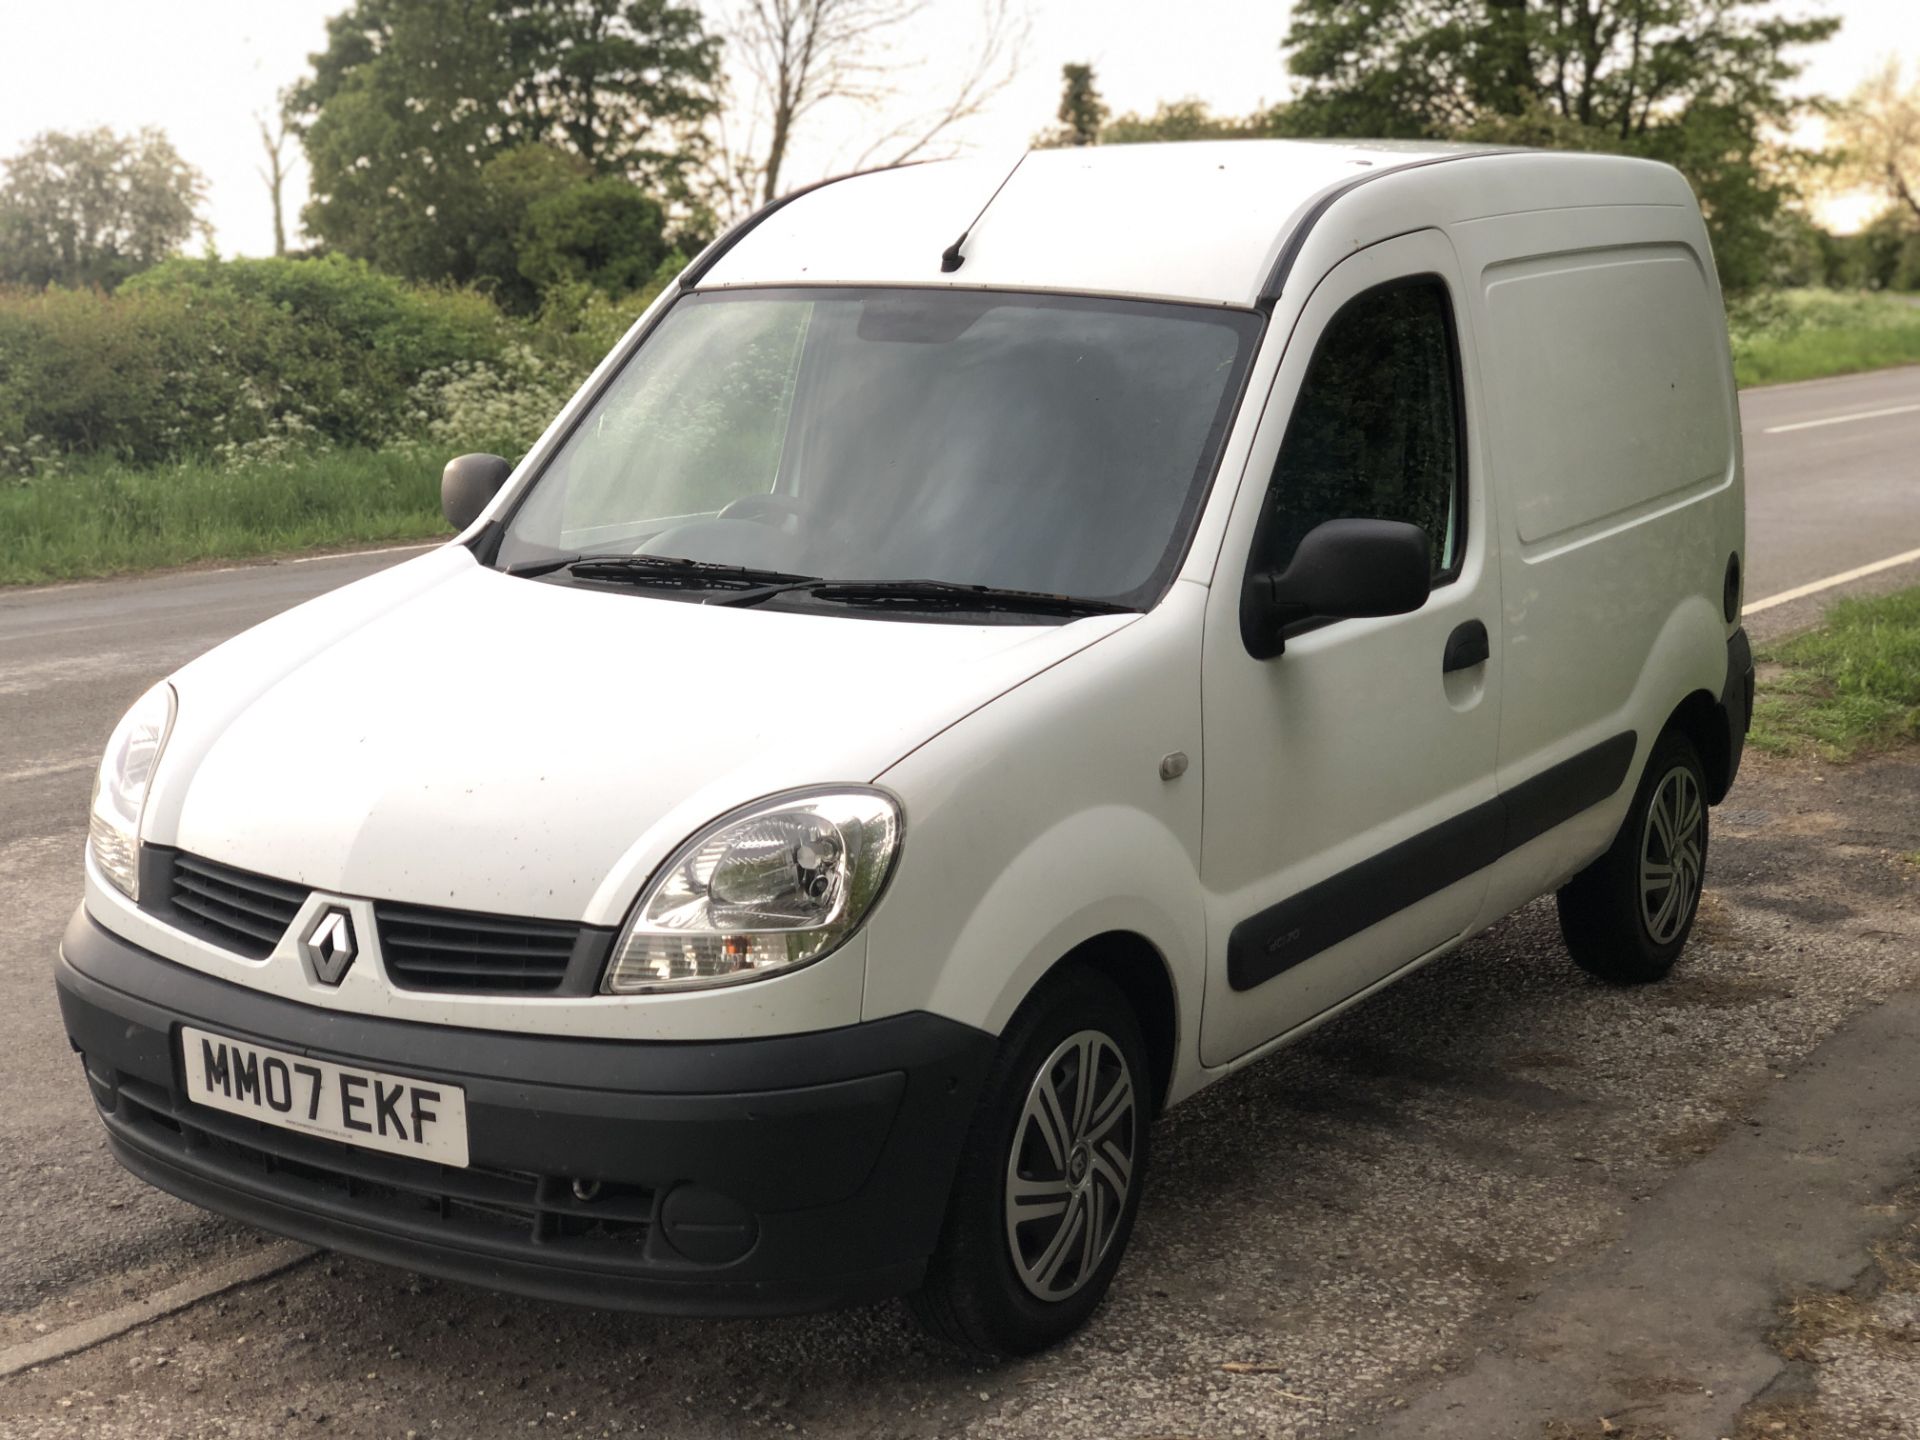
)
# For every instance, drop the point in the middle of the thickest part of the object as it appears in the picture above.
(327, 948)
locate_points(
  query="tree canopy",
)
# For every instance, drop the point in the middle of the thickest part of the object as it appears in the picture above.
(1878, 132)
(1086, 120)
(433, 128)
(94, 208)
(1701, 84)
(1082, 111)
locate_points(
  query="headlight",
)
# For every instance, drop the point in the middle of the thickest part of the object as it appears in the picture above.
(763, 890)
(120, 789)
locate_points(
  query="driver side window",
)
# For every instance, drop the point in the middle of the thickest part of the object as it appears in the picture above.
(1375, 431)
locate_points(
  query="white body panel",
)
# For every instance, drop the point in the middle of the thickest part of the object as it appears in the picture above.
(449, 736)
(463, 713)
(1065, 220)
(1041, 821)
(1611, 614)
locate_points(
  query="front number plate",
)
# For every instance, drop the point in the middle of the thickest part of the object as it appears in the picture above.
(402, 1116)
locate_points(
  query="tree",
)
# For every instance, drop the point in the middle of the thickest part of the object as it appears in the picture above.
(1084, 119)
(803, 54)
(273, 174)
(413, 101)
(94, 208)
(1082, 111)
(1182, 120)
(511, 185)
(1701, 84)
(624, 84)
(604, 233)
(1878, 133)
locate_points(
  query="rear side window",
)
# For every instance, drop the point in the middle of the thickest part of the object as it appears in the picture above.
(1375, 430)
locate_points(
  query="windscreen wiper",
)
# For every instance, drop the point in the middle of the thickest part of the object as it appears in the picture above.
(947, 595)
(670, 572)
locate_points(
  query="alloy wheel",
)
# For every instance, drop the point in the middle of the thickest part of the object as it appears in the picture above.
(1072, 1165)
(1672, 847)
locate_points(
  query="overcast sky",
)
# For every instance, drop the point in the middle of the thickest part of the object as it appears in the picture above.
(203, 69)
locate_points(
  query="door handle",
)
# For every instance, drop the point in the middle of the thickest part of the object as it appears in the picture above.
(1466, 647)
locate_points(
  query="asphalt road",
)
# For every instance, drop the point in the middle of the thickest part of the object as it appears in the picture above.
(1833, 483)
(1527, 1110)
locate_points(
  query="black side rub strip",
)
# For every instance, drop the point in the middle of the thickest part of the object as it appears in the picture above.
(1341, 906)
(1562, 791)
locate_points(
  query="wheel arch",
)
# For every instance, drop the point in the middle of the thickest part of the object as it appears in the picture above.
(1693, 682)
(1137, 968)
(1698, 718)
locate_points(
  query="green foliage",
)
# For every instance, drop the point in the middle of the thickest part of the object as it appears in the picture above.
(1082, 111)
(1851, 686)
(198, 356)
(226, 409)
(1182, 120)
(624, 84)
(273, 358)
(1877, 136)
(1085, 119)
(94, 208)
(600, 232)
(104, 516)
(435, 128)
(394, 145)
(511, 184)
(1805, 334)
(1883, 255)
(1700, 84)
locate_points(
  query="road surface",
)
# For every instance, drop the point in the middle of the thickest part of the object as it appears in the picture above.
(1348, 1215)
(1833, 484)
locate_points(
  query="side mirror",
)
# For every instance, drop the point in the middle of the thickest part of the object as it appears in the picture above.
(1342, 570)
(468, 484)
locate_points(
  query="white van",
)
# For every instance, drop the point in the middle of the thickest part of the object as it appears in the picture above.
(991, 653)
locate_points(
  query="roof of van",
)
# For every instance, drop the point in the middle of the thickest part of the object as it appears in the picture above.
(1202, 220)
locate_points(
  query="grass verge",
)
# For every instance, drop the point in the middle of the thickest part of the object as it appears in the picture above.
(1849, 687)
(102, 517)
(1806, 334)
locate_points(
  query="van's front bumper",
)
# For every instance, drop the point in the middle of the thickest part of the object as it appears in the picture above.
(739, 1177)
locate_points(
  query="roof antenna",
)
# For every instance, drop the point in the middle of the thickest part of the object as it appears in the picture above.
(950, 258)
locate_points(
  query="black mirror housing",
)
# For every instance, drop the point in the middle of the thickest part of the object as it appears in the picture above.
(1342, 570)
(468, 484)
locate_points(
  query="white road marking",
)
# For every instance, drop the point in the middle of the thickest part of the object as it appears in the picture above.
(269, 561)
(188, 572)
(1840, 419)
(1815, 587)
(400, 549)
(85, 1334)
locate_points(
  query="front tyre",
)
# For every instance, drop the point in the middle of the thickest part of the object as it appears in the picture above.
(1050, 1177)
(1627, 916)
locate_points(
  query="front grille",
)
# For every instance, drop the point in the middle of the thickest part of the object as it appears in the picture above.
(453, 951)
(504, 1211)
(449, 952)
(244, 913)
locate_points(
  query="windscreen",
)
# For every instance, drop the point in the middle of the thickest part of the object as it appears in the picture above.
(1024, 442)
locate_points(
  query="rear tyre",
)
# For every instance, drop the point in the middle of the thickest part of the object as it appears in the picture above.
(1050, 1176)
(1627, 916)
